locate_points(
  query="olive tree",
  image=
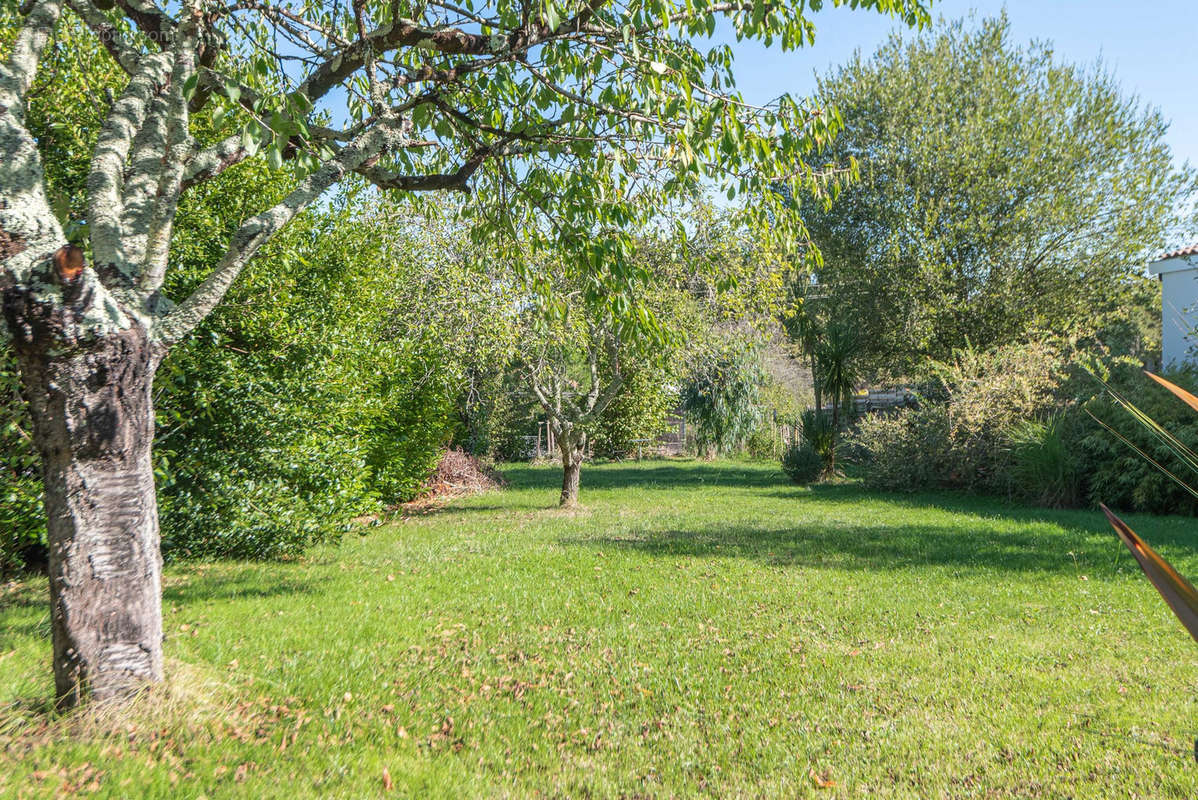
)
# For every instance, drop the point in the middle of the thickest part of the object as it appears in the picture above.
(1003, 193)
(550, 113)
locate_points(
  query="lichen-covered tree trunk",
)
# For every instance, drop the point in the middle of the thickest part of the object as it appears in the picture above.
(93, 425)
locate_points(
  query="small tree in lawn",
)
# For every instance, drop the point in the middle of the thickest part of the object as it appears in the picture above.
(575, 373)
(579, 338)
(547, 111)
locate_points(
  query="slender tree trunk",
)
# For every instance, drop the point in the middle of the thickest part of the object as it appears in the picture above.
(835, 433)
(571, 473)
(572, 453)
(815, 387)
(93, 425)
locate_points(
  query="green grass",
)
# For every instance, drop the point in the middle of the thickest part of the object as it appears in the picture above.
(694, 629)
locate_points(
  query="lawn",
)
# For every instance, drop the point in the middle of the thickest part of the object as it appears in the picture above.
(696, 629)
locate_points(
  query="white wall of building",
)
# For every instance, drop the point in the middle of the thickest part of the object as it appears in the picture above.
(1179, 307)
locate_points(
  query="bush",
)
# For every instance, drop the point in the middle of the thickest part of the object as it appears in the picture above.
(1121, 477)
(640, 411)
(820, 433)
(802, 463)
(764, 443)
(965, 431)
(1045, 467)
(903, 451)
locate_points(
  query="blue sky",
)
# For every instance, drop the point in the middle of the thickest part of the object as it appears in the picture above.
(1151, 47)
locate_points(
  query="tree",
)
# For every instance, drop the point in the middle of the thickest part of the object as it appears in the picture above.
(1001, 193)
(834, 358)
(548, 112)
(575, 372)
(307, 398)
(723, 400)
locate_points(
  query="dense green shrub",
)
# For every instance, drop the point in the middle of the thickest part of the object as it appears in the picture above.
(638, 412)
(326, 387)
(1017, 422)
(274, 420)
(1121, 477)
(905, 450)
(802, 463)
(820, 432)
(965, 429)
(1046, 468)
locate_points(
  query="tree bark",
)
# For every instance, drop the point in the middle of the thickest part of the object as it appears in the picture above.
(94, 425)
(572, 451)
(571, 473)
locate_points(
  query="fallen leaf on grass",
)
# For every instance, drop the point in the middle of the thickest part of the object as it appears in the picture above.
(387, 785)
(821, 781)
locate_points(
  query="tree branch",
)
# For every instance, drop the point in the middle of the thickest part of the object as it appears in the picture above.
(105, 179)
(29, 232)
(121, 51)
(178, 147)
(141, 179)
(256, 230)
(156, 24)
(456, 180)
(19, 69)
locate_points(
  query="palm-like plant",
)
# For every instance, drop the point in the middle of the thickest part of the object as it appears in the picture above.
(836, 361)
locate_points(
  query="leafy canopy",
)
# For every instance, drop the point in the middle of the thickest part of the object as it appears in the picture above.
(571, 122)
(1002, 192)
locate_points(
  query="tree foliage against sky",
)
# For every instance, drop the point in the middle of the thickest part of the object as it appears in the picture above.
(1002, 192)
(561, 118)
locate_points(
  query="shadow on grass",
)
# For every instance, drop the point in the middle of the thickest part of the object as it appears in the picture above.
(1167, 531)
(212, 585)
(876, 531)
(220, 586)
(882, 547)
(651, 474)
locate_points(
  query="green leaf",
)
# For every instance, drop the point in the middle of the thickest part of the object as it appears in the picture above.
(249, 142)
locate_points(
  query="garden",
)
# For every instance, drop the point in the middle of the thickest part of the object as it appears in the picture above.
(494, 400)
(699, 628)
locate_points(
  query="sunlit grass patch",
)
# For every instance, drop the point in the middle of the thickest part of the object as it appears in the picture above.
(694, 630)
